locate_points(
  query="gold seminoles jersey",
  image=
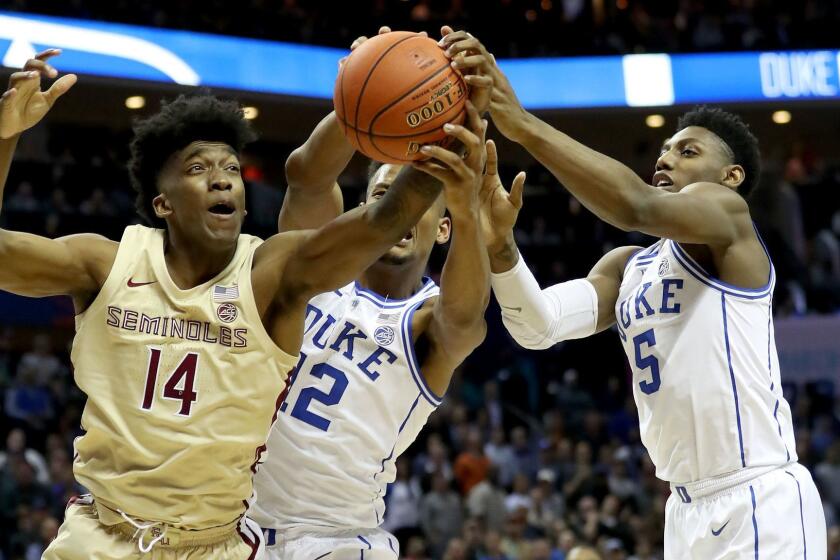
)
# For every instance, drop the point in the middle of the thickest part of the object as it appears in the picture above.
(182, 388)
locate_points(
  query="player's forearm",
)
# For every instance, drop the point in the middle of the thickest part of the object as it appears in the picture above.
(539, 318)
(317, 164)
(505, 256)
(337, 253)
(465, 279)
(608, 188)
(7, 152)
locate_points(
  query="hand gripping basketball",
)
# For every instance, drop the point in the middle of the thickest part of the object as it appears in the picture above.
(394, 93)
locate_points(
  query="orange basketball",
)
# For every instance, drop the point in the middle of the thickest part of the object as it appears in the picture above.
(394, 93)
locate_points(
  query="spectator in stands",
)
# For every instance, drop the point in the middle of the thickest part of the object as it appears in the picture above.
(492, 547)
(403, 503)
(97, 205)
(16, 447)
(23, 199)
(471, 465)
(547, 505)
(827, 475)
(583, 553)
(501, 455)
(440, 515)
(524, 452)
(27, 402)
(486, 502)
(41, 361)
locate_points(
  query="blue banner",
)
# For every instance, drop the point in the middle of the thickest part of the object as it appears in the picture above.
(192, 59)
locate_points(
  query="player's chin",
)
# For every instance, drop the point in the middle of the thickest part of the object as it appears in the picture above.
(224, 228)
(397, 255)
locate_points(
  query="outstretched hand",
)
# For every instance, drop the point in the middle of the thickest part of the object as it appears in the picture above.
(460, 175)
(23, 105)
(499, 208)
(483, 75)
(474, 63)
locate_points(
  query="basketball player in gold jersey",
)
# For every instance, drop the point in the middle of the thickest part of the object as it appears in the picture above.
(185, 333)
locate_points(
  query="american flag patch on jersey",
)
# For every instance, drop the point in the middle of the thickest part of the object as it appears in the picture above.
(225, 293)
(392, 318)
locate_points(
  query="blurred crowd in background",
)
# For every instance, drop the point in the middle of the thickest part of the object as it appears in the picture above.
(557, 462)
(510, 28)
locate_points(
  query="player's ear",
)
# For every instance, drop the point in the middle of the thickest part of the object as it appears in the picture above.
(733, 176)
(444, 230)
(162, 206)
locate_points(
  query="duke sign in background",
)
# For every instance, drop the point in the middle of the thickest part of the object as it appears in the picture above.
(140, 53)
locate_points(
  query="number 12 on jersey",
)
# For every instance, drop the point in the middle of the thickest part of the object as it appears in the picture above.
(308, 394)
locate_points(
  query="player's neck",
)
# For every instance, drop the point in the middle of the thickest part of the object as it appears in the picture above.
(190, 264)
(393, 281)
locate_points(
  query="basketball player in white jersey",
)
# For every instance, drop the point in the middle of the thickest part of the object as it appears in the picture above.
(185, 333)
(694, 314)
(377, 357)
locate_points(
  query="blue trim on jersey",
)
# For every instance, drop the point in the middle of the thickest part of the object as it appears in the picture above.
(732, 377)
(364, 540)
(755, 523)
(641, 253)
(390, 544)
(411, 357)
(770, 373)
(389, 303)
(404, 422)
(697, 271)
(323, 555)
(391, 454)
(647, 259)
(630, 258)
(801, 516)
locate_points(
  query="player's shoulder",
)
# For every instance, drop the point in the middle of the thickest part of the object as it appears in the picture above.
(95, 252)
(717, 192)
(279, 246)
(616, 259)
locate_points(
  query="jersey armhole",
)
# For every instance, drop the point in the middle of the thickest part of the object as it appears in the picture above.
(411, 355)
(118, 268)
(250, 304)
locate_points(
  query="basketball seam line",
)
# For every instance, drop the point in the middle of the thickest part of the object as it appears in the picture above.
(373, 137)
(401, 97)
(379, 114)
(367, 79)
(393, 136)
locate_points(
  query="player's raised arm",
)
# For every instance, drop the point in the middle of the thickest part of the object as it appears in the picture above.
(539, 318)
(706, 213)
(457, 325)
(313, 196)
(33, 265)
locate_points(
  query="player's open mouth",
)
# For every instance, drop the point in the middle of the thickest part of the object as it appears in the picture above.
(222, 209)
(660, 179)
(406, 239)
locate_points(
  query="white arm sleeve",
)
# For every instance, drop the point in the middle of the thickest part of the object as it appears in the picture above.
(538, 318)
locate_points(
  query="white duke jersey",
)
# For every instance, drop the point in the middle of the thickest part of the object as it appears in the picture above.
(356, 401)
(706, 374)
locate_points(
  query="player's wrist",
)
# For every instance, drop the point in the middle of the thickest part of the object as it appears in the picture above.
(503, 255)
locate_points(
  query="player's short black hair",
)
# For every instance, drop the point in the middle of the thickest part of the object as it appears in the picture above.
(374, 166)
(180, 122)
(736, 134)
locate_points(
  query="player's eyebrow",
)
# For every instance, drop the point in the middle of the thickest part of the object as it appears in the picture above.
(201, 149)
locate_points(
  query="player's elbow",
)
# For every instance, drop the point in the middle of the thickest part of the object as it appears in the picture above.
(299, 173)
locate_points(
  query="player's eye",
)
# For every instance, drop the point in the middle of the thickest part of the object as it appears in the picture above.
(233, 167)
(688, 152)
(194, 168)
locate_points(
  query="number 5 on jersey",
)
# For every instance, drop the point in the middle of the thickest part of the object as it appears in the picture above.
(179, 386)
